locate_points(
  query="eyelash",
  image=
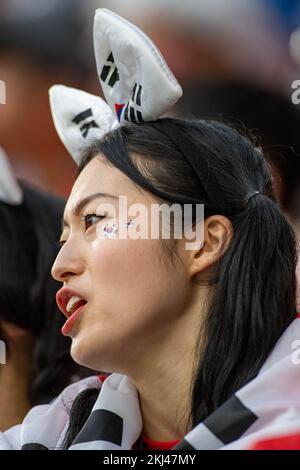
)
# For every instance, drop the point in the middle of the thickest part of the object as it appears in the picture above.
(85, 219)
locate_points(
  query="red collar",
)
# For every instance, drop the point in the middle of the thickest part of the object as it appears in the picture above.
(158, 445)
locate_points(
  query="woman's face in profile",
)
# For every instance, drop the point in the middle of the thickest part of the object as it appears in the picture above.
(130, 290)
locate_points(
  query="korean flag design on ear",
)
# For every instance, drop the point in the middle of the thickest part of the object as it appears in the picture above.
(10, 191)
(136, 81)
(79, 118)
(137, 84)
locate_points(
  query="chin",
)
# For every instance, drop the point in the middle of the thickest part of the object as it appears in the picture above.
(81, 354)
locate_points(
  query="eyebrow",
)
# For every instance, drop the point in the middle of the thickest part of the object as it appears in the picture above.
(84, 202)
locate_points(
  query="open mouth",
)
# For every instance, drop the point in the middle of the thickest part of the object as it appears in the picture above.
(69, 301)
(73, 304)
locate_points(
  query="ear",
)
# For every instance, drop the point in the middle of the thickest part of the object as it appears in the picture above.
(79, 118)
(136, 81)
(10, 191)
(202, 261)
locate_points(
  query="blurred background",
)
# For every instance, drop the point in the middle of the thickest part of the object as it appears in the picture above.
(235, 60)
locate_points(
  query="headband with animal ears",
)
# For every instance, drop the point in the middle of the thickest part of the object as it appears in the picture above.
(136, 81)
(10, 191)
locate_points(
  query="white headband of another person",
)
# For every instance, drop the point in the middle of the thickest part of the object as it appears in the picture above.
(10, 191)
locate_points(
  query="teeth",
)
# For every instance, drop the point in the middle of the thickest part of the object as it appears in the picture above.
(72, 301)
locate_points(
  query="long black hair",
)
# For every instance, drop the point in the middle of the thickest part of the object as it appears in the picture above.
(28, 245)
(254, 297)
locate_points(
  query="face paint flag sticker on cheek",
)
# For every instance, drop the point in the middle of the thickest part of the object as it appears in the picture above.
(136, 82)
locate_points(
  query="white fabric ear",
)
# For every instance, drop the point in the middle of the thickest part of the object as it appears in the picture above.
(137, 83)
(79, 118)
(10, 191)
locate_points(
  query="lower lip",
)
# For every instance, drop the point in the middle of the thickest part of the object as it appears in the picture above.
(68, 326)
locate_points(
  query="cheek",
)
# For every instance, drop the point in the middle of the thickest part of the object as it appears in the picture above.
(135, 297)
(133, 278)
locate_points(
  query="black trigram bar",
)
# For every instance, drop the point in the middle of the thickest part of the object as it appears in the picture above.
(87, 125)
(102, 425)
(131, 113)
(110, 71)
(229, 422)
(136, 94)
(83, 115)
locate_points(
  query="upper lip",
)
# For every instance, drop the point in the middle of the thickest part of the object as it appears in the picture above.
(62, 298)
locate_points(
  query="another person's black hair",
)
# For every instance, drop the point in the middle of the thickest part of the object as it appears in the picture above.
(254, 296)
(28, 245)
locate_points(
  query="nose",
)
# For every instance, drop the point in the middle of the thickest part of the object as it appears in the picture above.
(67, 264)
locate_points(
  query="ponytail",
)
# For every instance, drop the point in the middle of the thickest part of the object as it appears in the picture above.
(79, 413)
(254, 301)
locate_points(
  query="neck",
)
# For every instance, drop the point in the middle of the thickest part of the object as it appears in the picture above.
(165, 402)
(164, 380)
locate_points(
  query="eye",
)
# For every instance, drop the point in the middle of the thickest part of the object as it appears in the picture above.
(91, 219)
